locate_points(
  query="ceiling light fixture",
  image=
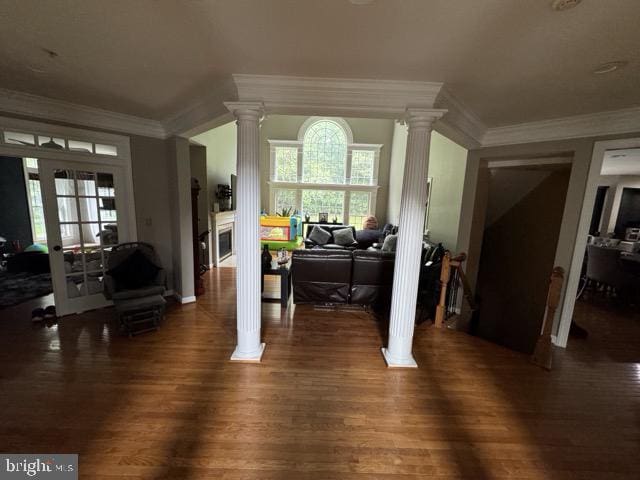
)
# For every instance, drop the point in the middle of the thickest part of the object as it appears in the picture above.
(561, 5)
(361, 2)
(609, 67)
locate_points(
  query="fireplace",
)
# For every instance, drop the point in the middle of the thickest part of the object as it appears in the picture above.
(225, 243)
(222, 236)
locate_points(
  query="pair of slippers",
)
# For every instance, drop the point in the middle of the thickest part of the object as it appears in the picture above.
(40, 314)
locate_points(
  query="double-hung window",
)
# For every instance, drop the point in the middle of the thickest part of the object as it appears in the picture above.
(324, 172)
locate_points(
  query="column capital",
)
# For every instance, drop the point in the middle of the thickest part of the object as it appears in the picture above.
(246, 110)
(422, 117)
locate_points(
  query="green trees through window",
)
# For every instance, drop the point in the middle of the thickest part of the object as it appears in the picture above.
(324, 173)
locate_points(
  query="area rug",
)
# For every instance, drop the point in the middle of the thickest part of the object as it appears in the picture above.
(19, 287)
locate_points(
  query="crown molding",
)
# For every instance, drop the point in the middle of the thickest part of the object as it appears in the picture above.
(613, 122)
(335, 96)
(35, 106)
(460, 124)
(204, 113)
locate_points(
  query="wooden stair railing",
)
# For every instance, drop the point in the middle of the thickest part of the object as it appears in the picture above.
(452, 268)
(543, 353)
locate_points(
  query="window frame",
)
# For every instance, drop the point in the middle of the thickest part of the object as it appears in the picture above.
(27, 170)
(346, 188)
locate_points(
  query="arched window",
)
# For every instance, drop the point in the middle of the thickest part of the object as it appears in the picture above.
(324, 157)
(324, 173)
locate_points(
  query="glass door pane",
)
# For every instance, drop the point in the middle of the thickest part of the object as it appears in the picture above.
(83, 205)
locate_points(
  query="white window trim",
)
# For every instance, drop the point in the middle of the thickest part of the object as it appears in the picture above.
(346, 187)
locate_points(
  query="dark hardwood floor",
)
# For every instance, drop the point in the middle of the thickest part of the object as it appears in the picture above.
(321, 405)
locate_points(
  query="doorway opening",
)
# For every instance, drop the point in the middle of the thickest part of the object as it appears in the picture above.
(524, 208)
(609, 285)
(25, 273)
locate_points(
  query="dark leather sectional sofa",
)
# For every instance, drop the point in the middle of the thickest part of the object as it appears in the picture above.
(360, 277)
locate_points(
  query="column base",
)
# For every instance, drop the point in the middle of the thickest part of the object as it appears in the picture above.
(393, 362)
(251, 357)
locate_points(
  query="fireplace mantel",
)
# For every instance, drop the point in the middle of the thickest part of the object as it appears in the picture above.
(222, 223)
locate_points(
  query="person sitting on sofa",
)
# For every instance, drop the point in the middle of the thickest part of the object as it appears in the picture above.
(369, 234)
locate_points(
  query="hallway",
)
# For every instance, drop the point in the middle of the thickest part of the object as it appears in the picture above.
(322, 405)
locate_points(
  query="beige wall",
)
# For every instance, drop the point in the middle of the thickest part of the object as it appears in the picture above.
(365, 130)
(151, 194)
(447, 165)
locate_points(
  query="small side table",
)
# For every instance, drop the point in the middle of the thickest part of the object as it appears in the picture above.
(284, 272)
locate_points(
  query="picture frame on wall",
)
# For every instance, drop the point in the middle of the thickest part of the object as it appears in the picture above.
(323, 218)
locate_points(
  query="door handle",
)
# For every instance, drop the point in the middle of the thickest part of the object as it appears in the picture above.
(57, 248)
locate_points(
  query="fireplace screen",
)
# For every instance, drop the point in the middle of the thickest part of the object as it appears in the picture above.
(224, 244)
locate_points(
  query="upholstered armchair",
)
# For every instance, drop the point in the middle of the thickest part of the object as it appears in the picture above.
(135, 281)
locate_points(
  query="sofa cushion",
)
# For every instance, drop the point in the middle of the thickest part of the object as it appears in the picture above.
(135, 271)
(319, 235)
(343, 237)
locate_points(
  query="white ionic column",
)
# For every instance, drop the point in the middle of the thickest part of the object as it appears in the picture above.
(409, 245)
(249, 347)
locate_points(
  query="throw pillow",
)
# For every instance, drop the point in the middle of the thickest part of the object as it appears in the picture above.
(390, 242)
(319, 235)
(343, 237)
(135, 271)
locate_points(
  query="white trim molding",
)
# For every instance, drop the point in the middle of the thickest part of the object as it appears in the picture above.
(529, 162)
(335, 96)
(460, 124)
(591, 125)
(325, 97)
(205, 113)
(44, 108)
(183, 300)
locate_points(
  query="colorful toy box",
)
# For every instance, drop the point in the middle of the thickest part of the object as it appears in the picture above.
(280, 228)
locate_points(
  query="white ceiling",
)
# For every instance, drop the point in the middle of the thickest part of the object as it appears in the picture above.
(510, 61)
(621, 162)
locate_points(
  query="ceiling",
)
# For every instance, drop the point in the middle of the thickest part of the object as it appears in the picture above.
(509, 61)
(621, 162)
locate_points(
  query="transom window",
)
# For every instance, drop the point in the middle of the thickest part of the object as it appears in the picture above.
(324, 171)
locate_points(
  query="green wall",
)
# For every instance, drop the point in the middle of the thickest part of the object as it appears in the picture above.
(221, 144)
(447, 165)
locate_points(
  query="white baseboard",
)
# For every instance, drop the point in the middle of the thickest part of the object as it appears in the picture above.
(183, 300)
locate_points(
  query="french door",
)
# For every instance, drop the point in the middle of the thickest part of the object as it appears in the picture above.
(86, 215)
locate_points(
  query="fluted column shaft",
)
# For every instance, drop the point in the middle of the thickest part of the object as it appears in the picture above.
(409, 243)
(247, 229)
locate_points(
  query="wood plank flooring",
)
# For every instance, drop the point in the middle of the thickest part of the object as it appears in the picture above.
(322, 405)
